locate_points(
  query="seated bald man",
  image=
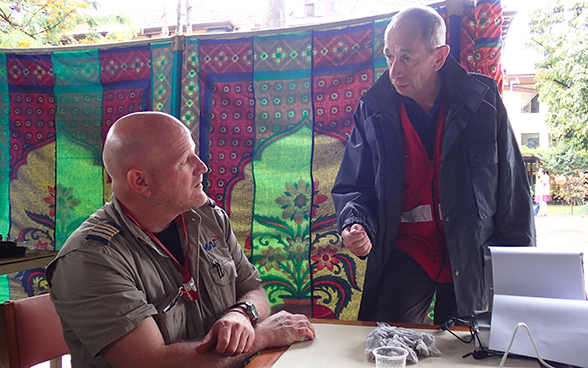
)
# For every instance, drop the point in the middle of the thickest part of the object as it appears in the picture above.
(156, 278)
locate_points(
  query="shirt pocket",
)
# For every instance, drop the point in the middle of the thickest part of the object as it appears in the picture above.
(222, 270)
(483, 159)
(171, 318)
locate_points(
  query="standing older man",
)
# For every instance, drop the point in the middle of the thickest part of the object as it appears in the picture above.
(159, 268)
(431, 176)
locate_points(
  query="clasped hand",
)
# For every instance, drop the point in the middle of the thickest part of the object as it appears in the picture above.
(234, 335)
(356, 240)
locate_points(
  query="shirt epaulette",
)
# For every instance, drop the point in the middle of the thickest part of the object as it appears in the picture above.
(104, 231)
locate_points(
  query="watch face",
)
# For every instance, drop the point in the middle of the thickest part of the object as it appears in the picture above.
(251, 312)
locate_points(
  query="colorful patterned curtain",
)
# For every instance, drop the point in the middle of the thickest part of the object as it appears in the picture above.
(269, 112)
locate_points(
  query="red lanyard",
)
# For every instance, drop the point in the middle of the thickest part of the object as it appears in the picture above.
(188, 290)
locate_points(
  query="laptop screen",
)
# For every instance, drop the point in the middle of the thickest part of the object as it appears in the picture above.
(530, 271)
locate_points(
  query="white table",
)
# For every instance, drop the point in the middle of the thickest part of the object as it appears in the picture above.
(342, 344)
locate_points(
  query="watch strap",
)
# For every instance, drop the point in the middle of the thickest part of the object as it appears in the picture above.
(246, 309)
(238, 310)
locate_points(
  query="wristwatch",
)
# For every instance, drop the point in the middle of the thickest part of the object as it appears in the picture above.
(247, 309)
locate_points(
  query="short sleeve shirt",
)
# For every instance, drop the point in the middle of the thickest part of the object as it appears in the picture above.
(110, 275)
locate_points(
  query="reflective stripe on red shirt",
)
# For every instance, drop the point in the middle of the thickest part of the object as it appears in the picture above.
(421, 232)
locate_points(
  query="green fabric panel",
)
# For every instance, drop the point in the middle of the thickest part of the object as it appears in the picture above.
(177, 81)
(4, 289)
(78, 118)
(281, 169)
(282, 210)
(163, 94)
(4, 148)
(79, 189)
(190, 90)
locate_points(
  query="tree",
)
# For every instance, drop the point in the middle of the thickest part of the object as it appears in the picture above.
(567, 168)
(559, 31)
(275, 14)
(41, 23)
(571, 189)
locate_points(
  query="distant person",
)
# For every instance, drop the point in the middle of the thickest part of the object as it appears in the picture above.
(431, 176)
(156, 277)
(542, 189)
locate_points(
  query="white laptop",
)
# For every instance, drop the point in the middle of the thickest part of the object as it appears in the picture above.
(531, 271)
(545, 290)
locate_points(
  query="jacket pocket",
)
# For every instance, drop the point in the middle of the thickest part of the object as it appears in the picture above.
(484, 172)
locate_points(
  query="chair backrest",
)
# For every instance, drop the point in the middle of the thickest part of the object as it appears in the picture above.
(31, 332)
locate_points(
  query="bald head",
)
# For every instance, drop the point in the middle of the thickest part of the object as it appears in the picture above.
(137, 141)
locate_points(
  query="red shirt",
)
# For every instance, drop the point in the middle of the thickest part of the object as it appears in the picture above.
(421, 232)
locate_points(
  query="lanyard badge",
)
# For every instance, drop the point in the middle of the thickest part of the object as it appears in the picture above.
(189, 291)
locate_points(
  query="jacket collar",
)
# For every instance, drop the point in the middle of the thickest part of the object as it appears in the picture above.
(461, 87)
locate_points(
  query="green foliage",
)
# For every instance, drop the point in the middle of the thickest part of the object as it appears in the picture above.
(41, 23)
(526, 150)
(567, 168)
(563, 159)
(559, 31)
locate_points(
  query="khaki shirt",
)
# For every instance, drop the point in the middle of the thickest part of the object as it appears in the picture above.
(110, 275)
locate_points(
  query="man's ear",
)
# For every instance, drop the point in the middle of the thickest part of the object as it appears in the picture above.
(441, 54)
(137, 182)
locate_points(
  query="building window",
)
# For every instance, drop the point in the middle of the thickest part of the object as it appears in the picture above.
(339, 7)
(334, 8)
(530, 140)
(320, 10)
(308, 10)
(531, 106)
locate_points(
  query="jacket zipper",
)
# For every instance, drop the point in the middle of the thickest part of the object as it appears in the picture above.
(436, 216)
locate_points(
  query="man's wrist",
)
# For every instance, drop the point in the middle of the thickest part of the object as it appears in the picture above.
(237, 311)
(247, 309)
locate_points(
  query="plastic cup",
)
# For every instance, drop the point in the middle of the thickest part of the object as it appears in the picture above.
(390, 357)
(30, 246)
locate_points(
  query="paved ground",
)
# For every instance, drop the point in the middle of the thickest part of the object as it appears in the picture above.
(564, 232)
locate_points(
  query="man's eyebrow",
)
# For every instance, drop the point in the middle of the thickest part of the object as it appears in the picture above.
(404, 50)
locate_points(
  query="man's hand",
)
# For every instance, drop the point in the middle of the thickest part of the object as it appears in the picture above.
(232, 334)
(356, 240)
(282, 329)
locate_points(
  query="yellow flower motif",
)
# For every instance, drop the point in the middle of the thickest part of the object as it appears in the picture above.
(271, 258)
(296, 202)
(298, 248)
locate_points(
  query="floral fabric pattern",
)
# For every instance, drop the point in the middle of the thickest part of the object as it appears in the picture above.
(270, 114)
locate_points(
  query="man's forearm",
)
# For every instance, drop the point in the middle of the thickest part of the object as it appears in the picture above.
(185, 355)
(258, 298)
(144, 347)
